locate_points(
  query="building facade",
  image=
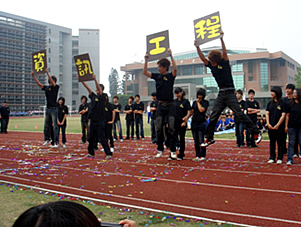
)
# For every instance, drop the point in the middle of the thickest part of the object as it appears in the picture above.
(259, 70)
(19, 38)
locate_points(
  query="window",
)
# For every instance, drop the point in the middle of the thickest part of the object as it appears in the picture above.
(250, 78)
(199, 70)
(187, 70)
(49, 50)
(237, 67)
(250, 67)
(49, 40)
(49, 30)
(264, 72)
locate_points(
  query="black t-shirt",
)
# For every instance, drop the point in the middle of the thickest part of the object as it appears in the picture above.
(154, 104)
(198, 118)
(222, 74)
(182, 107)
(62, 110)
(130, 116)
(139, 106)
(275, 112)
(117, 107)
(109, 108)
(4, 112)
(242, 105)
(164, 86)
(97, 107)
(84, 117)
(51, 95)
(253, 105)
(295, 115)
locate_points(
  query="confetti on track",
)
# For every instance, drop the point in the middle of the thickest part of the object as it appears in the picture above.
(233, 185)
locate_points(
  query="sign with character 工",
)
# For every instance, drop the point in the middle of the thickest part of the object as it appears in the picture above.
(157, 45)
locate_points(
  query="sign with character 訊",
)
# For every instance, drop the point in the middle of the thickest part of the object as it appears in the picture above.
(84, 67)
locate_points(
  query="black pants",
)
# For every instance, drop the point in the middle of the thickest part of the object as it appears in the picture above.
(249, 138)
(180, 132)
(198, 133)
(130, 127)
(276, 136)
(85, 136)
(98, 132)
(223, 100)
(153, 131)
(165, 110)
(63, 127)
(109, 135)
(4, 124)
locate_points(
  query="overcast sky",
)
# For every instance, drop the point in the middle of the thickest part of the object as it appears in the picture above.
(124, 25)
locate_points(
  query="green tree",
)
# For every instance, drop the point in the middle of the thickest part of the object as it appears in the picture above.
(113, 82)
(298, 78)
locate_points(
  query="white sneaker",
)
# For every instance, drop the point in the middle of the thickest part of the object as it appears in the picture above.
(279, 162)
(202, 159)
(46, 142)
(271, 161)
(173, 155)
(289, 163)
(112, 149)
(65, 146)
(108, 157)
(196, 159)
(102, 149)
(295, 156)
(159, 154)
(54, 146)
(121, 140)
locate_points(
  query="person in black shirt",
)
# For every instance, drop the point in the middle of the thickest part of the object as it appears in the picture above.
(61, 119)
(84, 112)
(97, 120)
(253, 109)
(220, 67)
(51, 93)
(293, 124)
(129, 118)
(183, 110)
(275, 115)
(198, 124)
(117, 109)
(4, 112)
(166, 108)
(110, 117)
(153, 110)
(239, 126)
(138, 111)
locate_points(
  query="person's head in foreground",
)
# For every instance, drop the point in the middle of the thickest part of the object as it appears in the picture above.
(61, 214)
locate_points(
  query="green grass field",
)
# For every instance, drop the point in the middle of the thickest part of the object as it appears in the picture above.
(15, 200)
(34, 124)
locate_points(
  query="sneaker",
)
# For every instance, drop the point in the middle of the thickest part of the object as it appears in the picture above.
(173, 155)
(237, 145)
(65, 146)
(295, 156)
(112, 149)
(196, 159)
(170, 158)
(54, 146)
(202, 159)
(143, 138)
(159, 154)
(207, 142)
(121, 140)
(90, 156)
(289, 163)
(108, 157)
(82, 142)
(279, 162)
(180, 158)
(46, 142)
(271, 161)
(101, 149)
(257, 137)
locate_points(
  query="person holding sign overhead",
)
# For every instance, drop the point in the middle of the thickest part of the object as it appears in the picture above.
(166, 108)
(219, 64)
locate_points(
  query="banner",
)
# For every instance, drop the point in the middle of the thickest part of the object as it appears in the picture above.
(84, 67)
(39, 62)
(207, 28)
(157, 45)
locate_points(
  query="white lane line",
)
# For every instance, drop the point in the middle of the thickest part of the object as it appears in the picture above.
(172, 205)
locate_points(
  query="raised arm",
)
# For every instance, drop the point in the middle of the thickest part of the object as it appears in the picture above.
(145, 72)
(200, 53)
(174, 65)
(225, 55)
(51, 82)
(96, 82)
(86, 86)
(36, 80)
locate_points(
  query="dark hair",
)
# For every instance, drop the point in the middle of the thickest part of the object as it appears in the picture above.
(57, 214)
(251, 91)
(290, 86)
(137, 96)
(178, 90)
(53, 78)
(164, 62)
(102, 86)
(239, 91)
(201, 92)
(131, 97)
(215, 56)
(154, 94)
(278, 93)
(116, 97)
(184, 93)
(5, 101)
(63, 99)
(84, 97)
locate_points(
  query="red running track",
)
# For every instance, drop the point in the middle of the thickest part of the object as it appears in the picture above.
(234, 185)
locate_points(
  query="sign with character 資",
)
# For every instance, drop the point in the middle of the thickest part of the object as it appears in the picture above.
(157, 45)
(39, 62)
(84, 67)
(207, 28)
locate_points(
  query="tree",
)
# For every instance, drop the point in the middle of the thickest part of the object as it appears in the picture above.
(298, 78)
(122, 84)
(113, 82)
